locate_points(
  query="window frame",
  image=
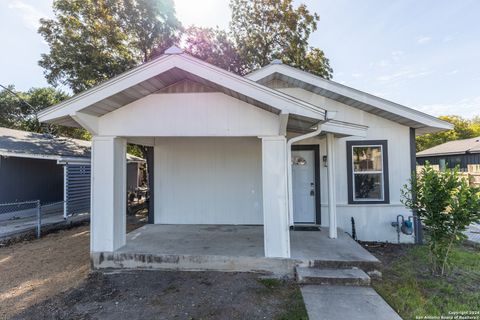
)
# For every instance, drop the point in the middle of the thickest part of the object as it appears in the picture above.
(383, 144)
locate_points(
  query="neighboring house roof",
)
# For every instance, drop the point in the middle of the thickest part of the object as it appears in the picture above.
(18, 143)
(452, 148)
(294, 77)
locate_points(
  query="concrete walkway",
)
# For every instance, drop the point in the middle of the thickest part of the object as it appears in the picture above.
(345, 302)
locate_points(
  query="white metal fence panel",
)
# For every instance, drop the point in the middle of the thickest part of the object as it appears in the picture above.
(77, 189)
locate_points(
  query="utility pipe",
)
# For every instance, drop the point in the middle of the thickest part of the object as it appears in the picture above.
(329, 116)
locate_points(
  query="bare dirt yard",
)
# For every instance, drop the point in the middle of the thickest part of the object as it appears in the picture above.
(50, 278)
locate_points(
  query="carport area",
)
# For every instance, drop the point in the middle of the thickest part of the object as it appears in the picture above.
(230, 248)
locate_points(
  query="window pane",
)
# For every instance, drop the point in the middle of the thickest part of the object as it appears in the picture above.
(368, 186)
(367, 159)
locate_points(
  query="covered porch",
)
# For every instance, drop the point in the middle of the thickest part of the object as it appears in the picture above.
(231, 248)
(220, 149)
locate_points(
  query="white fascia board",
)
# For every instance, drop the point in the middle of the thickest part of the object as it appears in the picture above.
(28, 155)
(43, 157)
(443, 154)
(351, 93)
(74, 161)
(278, 100)
(345, 128)
(107, 89)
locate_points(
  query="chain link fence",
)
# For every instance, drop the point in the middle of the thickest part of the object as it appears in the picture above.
(21, 217)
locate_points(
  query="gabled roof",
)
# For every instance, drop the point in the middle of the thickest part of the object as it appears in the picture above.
(24, 144)
(452, 148)
(170, 68)
(293, 77)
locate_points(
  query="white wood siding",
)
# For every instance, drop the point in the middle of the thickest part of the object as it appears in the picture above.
(372, 220)
(208, 181)
(189, 114)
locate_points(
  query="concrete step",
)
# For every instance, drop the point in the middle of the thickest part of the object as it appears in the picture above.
(346, 277)
(365, 265)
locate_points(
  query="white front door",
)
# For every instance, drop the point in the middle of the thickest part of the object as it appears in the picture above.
(303, 186)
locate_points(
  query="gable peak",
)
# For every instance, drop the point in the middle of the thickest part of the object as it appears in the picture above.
(173, 50)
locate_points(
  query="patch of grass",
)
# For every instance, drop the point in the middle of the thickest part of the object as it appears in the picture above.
(295, 310)
(271, 283)
(410, 288)
(294, 307)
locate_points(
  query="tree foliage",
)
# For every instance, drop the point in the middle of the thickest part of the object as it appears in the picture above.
(446, 204)
(214, 46)
(93, 40)
(18, 111)
(264, 30)
(463, 129)
(260, 32)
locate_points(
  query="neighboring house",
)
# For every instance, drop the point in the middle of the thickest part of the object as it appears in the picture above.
(278, 147)
(41, 167)
(464, 153)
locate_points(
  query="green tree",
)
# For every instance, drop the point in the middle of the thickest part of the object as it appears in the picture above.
(264, 30)
(11, 107)
(261, 31)
(94, 40)
(463, 129)
(214, 46)
(447, 204)
(151, 25)
(18, 111)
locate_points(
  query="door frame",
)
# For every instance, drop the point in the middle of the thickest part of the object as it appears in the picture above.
(316, 150)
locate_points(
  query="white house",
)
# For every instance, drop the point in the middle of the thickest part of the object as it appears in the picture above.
(278, 147)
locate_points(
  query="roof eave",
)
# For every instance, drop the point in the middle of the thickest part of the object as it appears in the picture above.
(426, 122)
(189, 64)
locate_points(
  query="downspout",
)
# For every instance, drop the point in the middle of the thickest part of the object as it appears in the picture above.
(328, 116)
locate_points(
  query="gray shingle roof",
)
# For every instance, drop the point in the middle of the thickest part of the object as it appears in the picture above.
(36, 144)
(29, 143)
(453, 147)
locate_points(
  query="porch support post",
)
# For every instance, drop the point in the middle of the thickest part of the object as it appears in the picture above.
(332, 197)
(275, 216)
(109, 200)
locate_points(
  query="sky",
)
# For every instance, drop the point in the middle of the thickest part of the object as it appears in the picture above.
(420, 53)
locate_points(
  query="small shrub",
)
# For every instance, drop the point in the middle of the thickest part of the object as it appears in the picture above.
(446, 205)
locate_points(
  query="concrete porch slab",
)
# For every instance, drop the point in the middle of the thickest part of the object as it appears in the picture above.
(229, 248)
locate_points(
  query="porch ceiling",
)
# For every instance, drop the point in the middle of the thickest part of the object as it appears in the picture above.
(162, 81)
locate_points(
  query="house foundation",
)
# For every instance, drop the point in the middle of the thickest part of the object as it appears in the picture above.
(230, 249)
